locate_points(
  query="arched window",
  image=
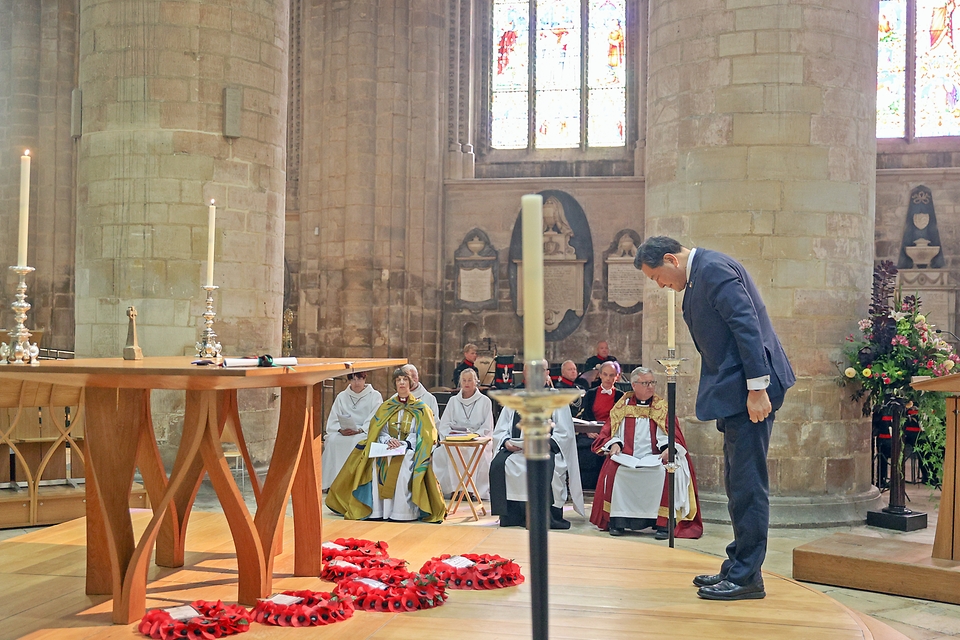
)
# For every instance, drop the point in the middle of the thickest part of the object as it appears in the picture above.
(558, 74)
(918, 69)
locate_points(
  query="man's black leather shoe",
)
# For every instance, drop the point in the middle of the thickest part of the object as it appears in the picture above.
(616, 532)
(726, 590)
(661, 534)
(708, 580)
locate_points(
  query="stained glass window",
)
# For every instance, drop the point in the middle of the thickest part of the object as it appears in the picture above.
(576, 67)
(891, 69)
(510, 76)
(938, 69)
(918, 39)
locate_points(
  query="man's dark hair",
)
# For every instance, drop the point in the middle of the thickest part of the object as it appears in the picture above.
(653, 249)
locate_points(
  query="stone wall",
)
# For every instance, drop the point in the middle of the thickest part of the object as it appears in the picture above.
(610, 205)
(153, 155)
(38, 46)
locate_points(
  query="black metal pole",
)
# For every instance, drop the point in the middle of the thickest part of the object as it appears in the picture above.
(898, 494)
(671, 457)
(538, 518)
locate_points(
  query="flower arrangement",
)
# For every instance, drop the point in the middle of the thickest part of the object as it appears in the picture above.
(392, 590)
(215, 620)
(339, 568)
(352, 549)
(474, 571)
(302, 609)
(895, 345)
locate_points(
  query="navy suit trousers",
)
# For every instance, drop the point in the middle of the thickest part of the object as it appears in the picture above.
(747, 484)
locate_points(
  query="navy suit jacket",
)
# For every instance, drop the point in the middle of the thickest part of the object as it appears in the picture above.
(733, 333)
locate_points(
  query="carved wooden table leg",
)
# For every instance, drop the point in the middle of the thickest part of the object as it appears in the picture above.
(111, 459)
(291, 433)
(307, 497)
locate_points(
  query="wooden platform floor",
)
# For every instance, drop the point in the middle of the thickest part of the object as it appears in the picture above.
(884, 565)
(599, 588)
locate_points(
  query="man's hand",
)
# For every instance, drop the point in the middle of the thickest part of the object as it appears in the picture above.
(349, 432)
(665, 456)
(509, 446)
(758, 405)
(614, 449)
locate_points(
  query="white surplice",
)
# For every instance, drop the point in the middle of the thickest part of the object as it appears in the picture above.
(421, 393)
(565, 472)
(336, 446)
(637, 493)
(466, 415)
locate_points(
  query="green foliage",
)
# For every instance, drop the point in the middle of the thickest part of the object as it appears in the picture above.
(895, 345)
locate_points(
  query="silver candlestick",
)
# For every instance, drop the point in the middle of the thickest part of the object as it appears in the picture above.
(20, 351)
(672, 364)
(208, 347)
(536, 406)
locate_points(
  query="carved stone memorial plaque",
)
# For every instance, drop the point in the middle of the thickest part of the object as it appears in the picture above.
(476, 272)
(624, 281)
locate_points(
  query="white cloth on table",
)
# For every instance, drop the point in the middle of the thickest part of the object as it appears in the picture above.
(336, 446)
(466, 415)
(566, 471)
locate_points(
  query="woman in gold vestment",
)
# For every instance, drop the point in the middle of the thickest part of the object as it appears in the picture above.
(398, 487)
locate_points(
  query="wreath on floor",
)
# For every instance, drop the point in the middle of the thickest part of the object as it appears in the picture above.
(353, 548)
(339, 568)
(302, 609)
(474, 571)
(213, 620)
(392, 590)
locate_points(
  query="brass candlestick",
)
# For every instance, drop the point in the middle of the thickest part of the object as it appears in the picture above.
(20, 351)
(536, 405)
(672, 364)
(208, 347)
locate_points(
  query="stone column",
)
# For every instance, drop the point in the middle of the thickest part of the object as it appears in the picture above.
(37, 69)
(761, 144)
(152, 156)
(368, 256)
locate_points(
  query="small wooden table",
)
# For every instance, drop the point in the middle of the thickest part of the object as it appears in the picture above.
(120, 438)
(466, 489)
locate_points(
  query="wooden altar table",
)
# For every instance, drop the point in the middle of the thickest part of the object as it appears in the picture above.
(120, 438)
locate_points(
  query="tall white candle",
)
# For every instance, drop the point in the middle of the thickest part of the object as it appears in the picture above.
(671, 319)
(533, 331)
(24, 208)
(211, 239)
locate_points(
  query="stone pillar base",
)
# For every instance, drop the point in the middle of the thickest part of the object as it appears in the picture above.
(803, 512)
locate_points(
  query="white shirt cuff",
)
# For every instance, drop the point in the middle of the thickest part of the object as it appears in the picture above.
(758, 384)
(610, 443)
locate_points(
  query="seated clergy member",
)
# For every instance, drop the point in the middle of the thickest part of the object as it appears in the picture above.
(394, 487)
(467, 412)
(508, 472)
(347, 424)
(469, 357)
(636, 498)
(419, 391)
(603, 355)
(595, 407)
(570, 379)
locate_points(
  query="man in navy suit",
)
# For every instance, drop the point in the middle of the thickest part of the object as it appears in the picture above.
(744, 374)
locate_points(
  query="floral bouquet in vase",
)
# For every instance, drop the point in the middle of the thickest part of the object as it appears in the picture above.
(895, 346)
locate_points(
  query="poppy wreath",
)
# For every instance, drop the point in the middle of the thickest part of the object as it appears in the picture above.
(486, 572)
(399, 590)
(216, 620)
(315, 609)
(352, 548)
(339, 568)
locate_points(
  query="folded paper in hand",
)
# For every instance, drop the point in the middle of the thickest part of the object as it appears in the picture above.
(636, 463)
(381, 450)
